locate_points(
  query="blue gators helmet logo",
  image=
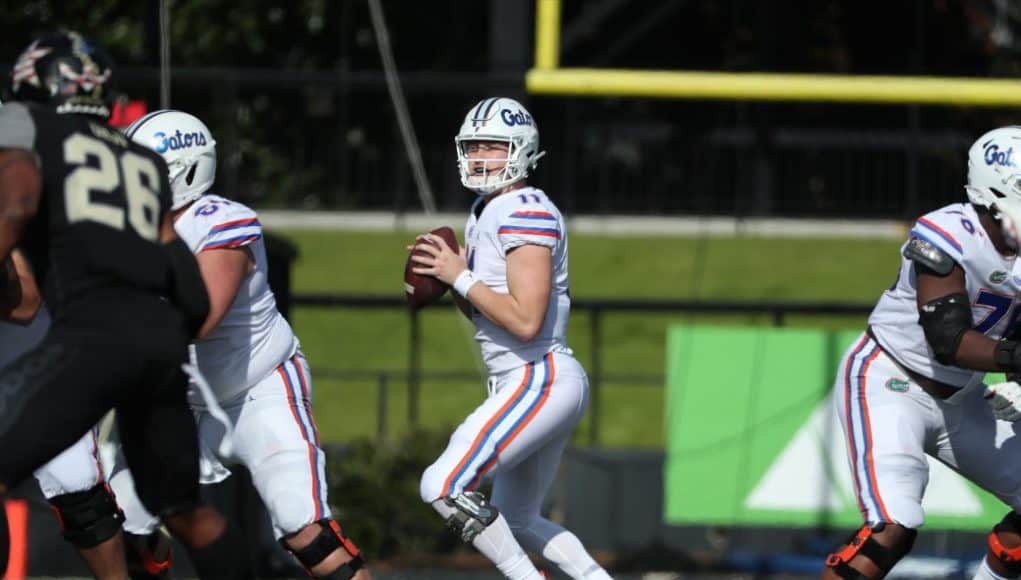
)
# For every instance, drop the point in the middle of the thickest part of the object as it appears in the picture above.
(995, 156)
(512, 118)
(178, 140)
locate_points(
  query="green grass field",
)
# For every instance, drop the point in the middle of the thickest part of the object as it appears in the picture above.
(346, 339)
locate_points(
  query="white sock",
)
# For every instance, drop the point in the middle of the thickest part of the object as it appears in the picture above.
(984, 572)
(562, 548)
(497, 543)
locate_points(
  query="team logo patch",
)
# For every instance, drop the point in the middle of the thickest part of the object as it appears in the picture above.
(998, 277)
(898, 385)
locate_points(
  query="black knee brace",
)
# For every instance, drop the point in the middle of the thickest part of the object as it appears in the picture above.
(325, 543)
(861, 542)
(88, 518)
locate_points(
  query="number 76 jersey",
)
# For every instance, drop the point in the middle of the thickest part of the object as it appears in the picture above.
(101, 207)
(994, 288)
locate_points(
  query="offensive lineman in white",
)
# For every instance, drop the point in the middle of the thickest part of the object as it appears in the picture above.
(911, 385)
(511, 281)
(249, 355)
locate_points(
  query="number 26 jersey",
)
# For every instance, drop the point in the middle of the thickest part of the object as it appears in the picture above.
(103, 199)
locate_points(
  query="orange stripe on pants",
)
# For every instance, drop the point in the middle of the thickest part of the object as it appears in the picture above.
(17, 525)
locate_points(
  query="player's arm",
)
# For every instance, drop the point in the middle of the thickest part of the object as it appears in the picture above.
(187, 288)
(944, 311)
(223, 270)
(21, 299)
(529, 282)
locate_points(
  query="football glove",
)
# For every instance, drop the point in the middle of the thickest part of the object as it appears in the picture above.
(1005, 399)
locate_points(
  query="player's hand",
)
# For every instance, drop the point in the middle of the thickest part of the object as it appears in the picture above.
(1005, 399)
(440, 262)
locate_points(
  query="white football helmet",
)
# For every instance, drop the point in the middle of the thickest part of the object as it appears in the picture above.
(994, 168)
(187, 146)
(499, 119)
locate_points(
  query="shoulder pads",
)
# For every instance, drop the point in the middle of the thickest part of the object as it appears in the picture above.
(929, 255)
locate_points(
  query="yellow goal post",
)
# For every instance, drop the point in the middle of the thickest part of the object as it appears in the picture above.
(548, 78)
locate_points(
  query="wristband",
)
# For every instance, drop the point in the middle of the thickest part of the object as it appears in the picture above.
(464, 281)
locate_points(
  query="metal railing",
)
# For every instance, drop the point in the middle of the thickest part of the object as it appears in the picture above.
(595, 309)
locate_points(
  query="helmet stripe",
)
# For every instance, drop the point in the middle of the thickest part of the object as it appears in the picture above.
(479, 116)
(478, 107)
(485, 114)
(138, 124)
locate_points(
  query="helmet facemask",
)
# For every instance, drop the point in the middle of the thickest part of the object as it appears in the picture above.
(515, 164)
(1007, 212)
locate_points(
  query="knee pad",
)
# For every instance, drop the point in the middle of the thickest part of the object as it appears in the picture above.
(330, 538)
(472, 514)
(88, 518)
(1009, 557)
(862, 542)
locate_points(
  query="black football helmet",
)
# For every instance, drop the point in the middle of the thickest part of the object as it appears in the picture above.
(66, 72)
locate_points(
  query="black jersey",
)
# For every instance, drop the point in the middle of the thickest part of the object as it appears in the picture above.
(102, 204)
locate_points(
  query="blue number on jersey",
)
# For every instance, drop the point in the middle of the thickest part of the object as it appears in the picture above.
(1000, 306)
(210, 207)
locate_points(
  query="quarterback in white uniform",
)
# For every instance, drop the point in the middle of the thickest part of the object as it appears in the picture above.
(912, 384)
(250, 357)
(511, 281)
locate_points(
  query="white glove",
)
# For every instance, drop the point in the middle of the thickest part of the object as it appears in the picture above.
(1005, 399)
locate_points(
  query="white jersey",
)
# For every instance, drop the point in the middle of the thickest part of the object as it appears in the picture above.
(253, 339)
(524, 216)
(993, 282)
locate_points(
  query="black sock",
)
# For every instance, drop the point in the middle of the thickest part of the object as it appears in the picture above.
(224, 559)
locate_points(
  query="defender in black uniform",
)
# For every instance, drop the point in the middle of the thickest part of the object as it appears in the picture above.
(88, 209)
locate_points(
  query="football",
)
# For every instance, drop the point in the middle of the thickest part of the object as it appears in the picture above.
(424, 290)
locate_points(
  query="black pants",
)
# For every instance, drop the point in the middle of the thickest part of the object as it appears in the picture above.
(123, 354)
